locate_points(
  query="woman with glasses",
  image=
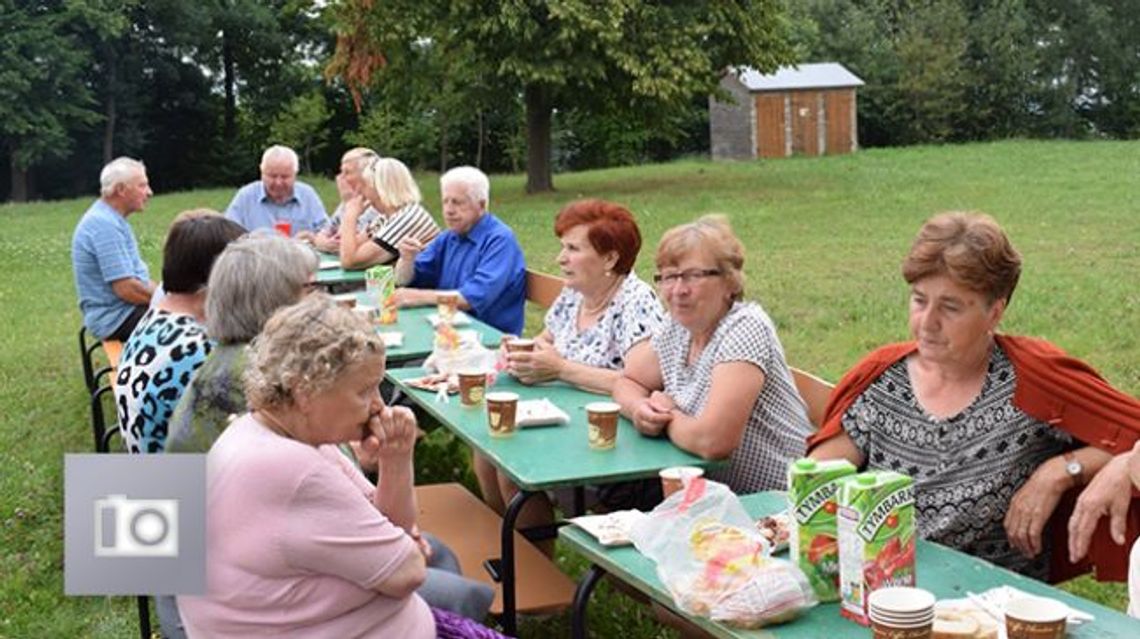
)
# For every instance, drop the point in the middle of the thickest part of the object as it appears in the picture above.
(301, 544)
(386, 186)
(603, 312)
(714, 379)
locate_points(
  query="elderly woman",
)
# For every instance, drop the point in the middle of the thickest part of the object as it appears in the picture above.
(604, 310)
(388, 187)
(251, 279)
(348, 186)
(993, 428)
(714, 378)
(327, 553)
(170, 342)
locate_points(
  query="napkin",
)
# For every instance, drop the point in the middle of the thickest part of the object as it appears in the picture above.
(331, 264)
(994, 600)
(460, 319)
(392, 339)
(539, 412)
(610, 529)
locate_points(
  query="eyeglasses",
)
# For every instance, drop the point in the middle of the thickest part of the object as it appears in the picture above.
(666, 280)
(310, 286)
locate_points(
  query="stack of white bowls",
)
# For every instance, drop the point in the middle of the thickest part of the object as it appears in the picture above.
(901, 613)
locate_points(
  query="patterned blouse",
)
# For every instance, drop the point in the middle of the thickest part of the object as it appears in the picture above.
(412, 220)
(966, 468)
(215, 396)
(154, 370)
(632, 315)
(778, 426)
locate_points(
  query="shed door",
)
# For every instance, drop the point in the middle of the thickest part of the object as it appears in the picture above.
(838, 105)
(805, 122)
(770, 125)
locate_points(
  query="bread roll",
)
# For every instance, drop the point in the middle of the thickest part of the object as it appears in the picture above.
(953, 624)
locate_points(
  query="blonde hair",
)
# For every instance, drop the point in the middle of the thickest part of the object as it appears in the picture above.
(360, 156)
(306, 347)
(393, 182)
(713, 236)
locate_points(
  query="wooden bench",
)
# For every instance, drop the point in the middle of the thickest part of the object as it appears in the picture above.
(113, 349)
(543, 289)
(474, 532)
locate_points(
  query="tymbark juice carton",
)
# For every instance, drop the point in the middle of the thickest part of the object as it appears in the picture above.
(811, 503)
(876, 537)
(380, 282)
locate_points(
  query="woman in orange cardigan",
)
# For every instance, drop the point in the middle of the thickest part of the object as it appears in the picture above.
(994, 429)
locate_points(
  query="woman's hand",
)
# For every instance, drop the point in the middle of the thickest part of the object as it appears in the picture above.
(1032, 505)
(648, 419)
(662, 402)
(393, 433)
(327, 242)
(353, 207)
(540, 365)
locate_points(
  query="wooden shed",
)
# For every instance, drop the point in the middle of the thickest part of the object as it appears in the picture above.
(808, 109)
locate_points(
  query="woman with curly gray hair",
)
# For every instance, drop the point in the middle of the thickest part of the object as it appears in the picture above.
(301, 544)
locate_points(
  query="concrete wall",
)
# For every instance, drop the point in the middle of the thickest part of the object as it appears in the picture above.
(731, 134)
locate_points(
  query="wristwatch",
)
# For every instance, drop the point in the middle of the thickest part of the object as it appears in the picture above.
(1074, 468)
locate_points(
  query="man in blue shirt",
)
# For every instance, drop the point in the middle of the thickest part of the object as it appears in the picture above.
(112, 281)
(278, 198)
(477, 256)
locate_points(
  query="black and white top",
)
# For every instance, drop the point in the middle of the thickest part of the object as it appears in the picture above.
(966, 468)
(362, 223)
(632, 315)
(412, 220)
(778, 426)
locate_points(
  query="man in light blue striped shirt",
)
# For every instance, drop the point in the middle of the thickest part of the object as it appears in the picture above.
(278, 197)
(112, 281)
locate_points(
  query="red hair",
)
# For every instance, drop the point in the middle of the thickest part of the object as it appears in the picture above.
(611, 227)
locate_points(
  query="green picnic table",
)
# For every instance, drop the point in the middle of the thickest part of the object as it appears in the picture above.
(539, 458)
(329, 271)
(947, 573)
(419, 334)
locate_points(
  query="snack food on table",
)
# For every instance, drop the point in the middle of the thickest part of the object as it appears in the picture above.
(435, 382)
(776, 530)
(813, 538)
(963, 623)
(876, 537)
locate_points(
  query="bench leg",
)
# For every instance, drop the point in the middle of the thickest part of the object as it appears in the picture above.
(582, 599)
(507, 569)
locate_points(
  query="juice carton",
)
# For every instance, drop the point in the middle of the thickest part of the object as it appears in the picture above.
(380, 282)
(876, 537)
(813, 540)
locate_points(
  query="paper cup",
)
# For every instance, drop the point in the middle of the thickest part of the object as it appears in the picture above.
(603, 421)
(520, 345)
(472, 387)
(447, 305)
(502, 409)
(283, 228)
(880, 630)
(1035, 618)
(673, 479)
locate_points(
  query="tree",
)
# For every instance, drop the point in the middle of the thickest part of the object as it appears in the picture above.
(553, 54)
(302, 126)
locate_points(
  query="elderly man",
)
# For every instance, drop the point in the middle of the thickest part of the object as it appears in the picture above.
(278, 200)
(477, 256)
(112, 281)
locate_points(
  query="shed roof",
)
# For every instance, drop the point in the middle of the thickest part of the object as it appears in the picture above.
(822, 75)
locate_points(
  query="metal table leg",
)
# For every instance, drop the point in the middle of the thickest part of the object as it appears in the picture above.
(507, 567)
(582, 599)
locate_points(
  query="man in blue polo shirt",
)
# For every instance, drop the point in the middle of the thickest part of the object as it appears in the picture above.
(278, 198)
(112, 281)
(477, 256)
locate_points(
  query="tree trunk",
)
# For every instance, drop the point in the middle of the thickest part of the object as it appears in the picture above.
(111, 110)
(479, 140)
(443, 120)
(538, 115)
(228, 81)
(19, 179)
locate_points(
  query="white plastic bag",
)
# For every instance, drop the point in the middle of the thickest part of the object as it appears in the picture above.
(715, 563)
(455, 351)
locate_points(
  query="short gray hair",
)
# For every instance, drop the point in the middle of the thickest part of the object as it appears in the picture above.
(307, 347)
(251, 279)
(478, 186)
(277, 152)
(118, 171)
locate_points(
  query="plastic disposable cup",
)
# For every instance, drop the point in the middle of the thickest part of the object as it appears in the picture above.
(603, 420)
(675, 478)
(502, 409)
(283, 227)
(447, 305)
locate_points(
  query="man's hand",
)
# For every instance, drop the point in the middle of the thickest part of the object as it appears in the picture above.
(409, 248)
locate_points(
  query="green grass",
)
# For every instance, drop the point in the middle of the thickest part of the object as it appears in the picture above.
(824, 238)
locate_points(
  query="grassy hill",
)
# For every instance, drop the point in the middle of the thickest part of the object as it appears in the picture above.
(824, 237)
